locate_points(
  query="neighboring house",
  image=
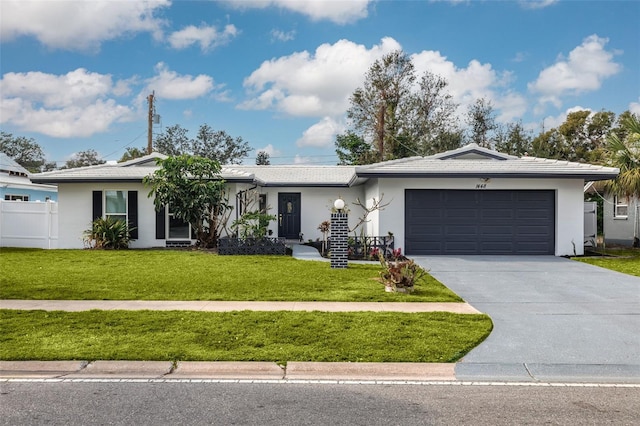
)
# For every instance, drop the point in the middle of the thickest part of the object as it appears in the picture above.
(621, 220)
(16, 185)
(620, 216)
(467, 201)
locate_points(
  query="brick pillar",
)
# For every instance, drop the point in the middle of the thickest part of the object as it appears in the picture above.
(339, 234)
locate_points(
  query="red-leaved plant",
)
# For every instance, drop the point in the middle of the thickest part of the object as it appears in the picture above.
(399, 273)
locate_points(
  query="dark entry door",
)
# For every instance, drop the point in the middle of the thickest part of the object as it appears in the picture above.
(289, 215)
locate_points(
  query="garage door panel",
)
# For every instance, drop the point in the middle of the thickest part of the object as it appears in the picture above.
(496, 247)
(492, 231)
(533, 213)
(503, 213)
(461, 247)
(479, 222)
(466, 230)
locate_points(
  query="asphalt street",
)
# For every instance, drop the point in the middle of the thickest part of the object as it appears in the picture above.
(106, 403)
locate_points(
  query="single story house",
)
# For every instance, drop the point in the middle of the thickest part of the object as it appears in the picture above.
(16, 185)
(470, 200)
(621, 220)
(620, 216)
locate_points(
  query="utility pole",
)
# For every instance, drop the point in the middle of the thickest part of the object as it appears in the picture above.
(150, 128)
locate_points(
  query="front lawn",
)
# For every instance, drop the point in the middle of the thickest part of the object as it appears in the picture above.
(192, 275)
(240, 336)
(626, 261)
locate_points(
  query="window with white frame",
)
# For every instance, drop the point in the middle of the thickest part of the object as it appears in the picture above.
(620, 207)
(9, 197)
(115, 205)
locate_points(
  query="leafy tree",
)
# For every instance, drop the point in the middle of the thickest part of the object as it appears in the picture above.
(549, 144)
(482, 122)
(378, 108)
(173, 141)
(133, 152)
(625, 154)
(516, 140)
(262, 158)
(83, 158)
(220, 146)
(24, 151)
(581, 137)
(353, 150)
(195, 190)
(574, 133)
(432, 115)
(209, 143)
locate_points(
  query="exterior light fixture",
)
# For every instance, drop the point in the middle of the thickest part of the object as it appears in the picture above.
(339, 204)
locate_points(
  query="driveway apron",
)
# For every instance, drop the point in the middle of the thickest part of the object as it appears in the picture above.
(553, 318)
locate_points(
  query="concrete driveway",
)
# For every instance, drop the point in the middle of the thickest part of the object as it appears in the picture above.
(554, 319)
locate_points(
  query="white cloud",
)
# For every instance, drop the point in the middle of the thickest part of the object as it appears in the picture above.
(339, 12)
(583, 71)
(634, 107)
(302, 160)
(278, 35)
(313, 85)
(269, 149)
(475, 81)
(207, 36)
(170, 85)
(76, 104)
(537, 4)
(321, 134)
(79, 25)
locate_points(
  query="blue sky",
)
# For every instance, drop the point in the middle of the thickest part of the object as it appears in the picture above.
(75, 75)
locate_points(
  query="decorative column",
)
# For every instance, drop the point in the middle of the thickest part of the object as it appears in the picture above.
(339, 234)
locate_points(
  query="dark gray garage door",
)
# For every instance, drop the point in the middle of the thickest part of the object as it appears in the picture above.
(479, 222)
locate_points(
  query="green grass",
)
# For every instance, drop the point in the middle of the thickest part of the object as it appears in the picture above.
(626, 261)
(240, 336)
(192, 275)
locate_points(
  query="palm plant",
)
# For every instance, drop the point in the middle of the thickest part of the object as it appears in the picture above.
(625, 155)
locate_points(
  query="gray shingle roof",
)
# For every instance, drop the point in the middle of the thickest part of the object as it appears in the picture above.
(468, 161)
(300, 175)
(473, 161)
(7, 164)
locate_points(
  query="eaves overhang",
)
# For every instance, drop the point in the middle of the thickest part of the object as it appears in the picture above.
(512, 175)
(58, 180)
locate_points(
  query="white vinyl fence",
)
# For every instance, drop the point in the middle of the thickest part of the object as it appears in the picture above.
(29, 224)
(590, 224)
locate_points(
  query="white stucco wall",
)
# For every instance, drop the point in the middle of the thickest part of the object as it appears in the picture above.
(76, 208)
(75, 204)
(316, 204)
(569, 205)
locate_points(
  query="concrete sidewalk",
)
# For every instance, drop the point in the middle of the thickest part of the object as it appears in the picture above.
(223, 306)
(196, 370)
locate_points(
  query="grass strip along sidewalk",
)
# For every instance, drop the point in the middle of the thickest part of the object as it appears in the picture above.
(193, 275)
(278, 336)
(240, 336)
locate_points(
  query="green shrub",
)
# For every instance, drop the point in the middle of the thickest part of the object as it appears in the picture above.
(107, 233)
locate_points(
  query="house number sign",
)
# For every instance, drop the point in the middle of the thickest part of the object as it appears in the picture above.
(481, 186)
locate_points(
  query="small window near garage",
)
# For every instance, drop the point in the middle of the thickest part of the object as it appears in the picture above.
(9, 197)
(620, 207)
(115, 203)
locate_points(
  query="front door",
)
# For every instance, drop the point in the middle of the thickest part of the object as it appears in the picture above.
(289, 215)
